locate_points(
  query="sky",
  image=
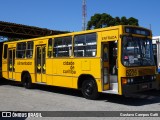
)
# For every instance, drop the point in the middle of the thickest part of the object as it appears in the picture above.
(66, 15)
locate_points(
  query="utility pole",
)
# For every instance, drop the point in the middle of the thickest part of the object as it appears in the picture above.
(84, 14)
(150, 26)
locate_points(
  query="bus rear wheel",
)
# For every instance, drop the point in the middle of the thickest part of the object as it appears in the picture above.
(26, 81)
(89, 89)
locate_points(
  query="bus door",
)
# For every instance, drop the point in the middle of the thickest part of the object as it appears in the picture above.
(109, 68)
(105, 66)
(41, 64)
(11, 63)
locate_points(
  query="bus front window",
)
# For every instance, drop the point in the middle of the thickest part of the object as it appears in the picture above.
(137, 51)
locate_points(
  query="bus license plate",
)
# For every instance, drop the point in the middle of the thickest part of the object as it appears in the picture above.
(144, 86)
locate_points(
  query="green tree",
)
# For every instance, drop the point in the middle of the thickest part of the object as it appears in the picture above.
(99, 21)
(133, 21)
(117, 20)
(124, 21)
(104, 20)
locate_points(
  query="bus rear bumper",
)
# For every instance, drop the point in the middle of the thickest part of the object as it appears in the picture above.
(128, 89)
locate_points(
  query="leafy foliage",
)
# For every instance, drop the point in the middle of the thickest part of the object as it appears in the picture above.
(106, 20)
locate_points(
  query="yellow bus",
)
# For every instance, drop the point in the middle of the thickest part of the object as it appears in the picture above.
(117, 60)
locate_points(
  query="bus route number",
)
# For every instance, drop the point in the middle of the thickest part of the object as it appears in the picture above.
(131, 72)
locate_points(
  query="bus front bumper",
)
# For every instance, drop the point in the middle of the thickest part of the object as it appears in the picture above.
(134, 88)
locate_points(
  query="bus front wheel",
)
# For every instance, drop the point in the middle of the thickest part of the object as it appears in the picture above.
(89, 89)
(26, 81)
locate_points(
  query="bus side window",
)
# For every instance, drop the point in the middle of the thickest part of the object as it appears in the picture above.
(5, 51)
(85, 45)
(62, 46)
(21, 49)
(29, 50)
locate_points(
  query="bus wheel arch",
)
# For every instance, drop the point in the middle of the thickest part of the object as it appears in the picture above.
(26, 80)
(87, 84)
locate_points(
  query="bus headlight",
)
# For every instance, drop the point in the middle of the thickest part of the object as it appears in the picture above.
(129, 80)
(132, 80)
(152, 78)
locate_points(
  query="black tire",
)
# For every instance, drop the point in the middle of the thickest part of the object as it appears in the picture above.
(89, 89)
(26, 81)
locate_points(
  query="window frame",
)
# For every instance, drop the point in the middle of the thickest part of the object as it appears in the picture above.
(63, 47)
(21, 50)
(29, 49)
(85, 45)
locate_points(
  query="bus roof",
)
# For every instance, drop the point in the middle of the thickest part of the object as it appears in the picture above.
(75, 33)
(155, 39)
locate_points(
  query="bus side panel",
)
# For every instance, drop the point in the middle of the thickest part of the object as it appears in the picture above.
(62, 73)
(121, 73)
(17, 76)
(33, 77)
(49, 75)
(87, 66)
(24, 65)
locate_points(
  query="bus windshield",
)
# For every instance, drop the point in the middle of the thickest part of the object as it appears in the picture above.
(137, 51)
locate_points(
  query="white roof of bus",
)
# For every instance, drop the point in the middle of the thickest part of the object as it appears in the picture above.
(155, 38)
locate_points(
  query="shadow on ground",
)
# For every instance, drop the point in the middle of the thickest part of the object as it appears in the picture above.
(8, 82)
(136, 100)
(143, 98)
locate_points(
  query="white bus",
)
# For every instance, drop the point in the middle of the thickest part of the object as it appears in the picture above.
(156, 51)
